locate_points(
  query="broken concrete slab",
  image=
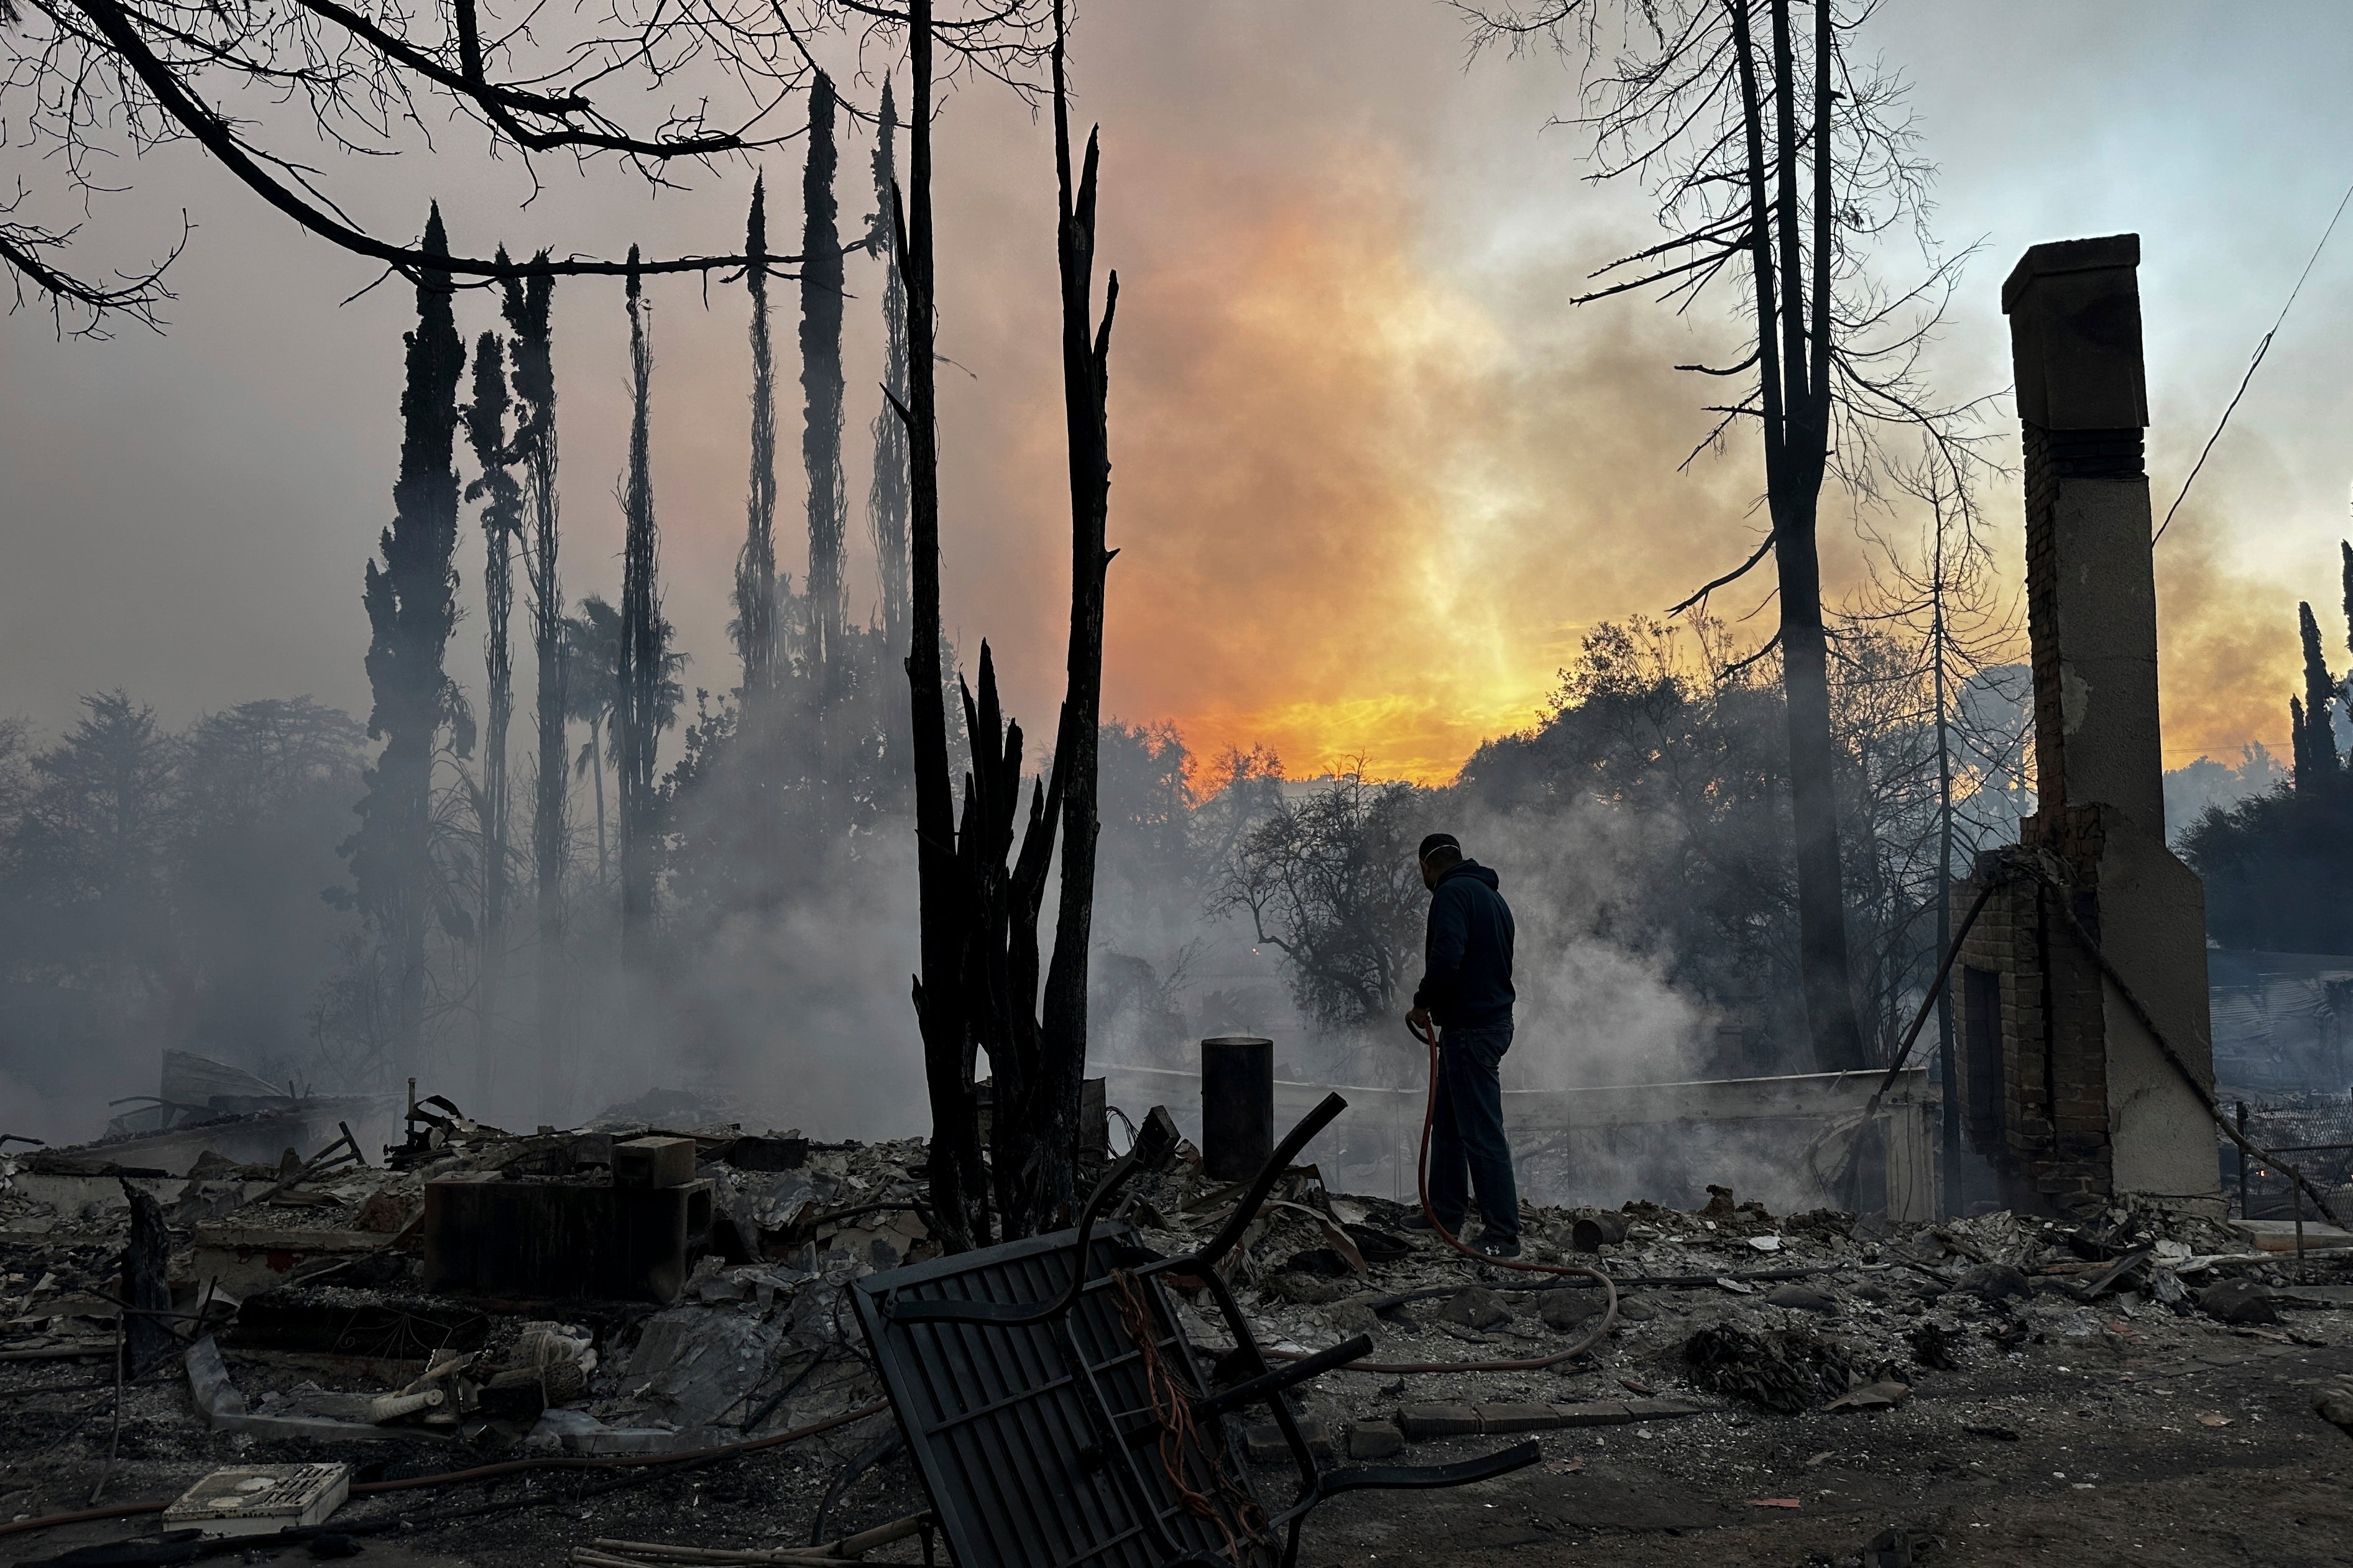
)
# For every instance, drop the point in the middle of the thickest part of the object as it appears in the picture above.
(2280, 1235)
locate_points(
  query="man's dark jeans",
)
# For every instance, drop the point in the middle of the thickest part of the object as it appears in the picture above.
(1467, 1150)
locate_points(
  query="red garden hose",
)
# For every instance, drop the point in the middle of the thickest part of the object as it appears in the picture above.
(1577, 1347)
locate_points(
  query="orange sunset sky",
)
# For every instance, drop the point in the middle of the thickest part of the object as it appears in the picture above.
(1374, 477)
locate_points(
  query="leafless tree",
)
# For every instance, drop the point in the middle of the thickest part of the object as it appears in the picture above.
(1942, 609)
(1329, 881)
(977, 989)
(257, 86)
(485, 418)
(637, 716)
(1778, 161)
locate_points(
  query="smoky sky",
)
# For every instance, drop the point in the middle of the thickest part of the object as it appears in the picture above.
(1373, 475)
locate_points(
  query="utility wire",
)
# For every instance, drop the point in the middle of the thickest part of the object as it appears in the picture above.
(2260, 349)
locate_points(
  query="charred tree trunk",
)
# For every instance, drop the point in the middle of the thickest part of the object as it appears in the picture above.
(411, 601)
(146, 1285)
(526, 308)
(959, 1194)
(821, 284)
(886, 496)
(486, 432)
(1001, 956)
(759, 719)
(1042, 1187)
(1791, 258)
(643, 663)
(756, 569)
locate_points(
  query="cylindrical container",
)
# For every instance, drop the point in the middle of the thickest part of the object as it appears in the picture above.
(1597, 1231)
(1236, 1106)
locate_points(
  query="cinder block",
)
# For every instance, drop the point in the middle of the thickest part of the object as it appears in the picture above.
(1374, 1440)
(653, 1162)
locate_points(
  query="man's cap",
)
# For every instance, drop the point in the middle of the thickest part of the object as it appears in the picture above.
(1437, 841)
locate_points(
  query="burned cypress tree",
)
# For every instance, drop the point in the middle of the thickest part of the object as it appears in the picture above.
(526, 308)
(2344, 548)
(1036, 1185)
(886, 495)
(755, 568)
(821, 284)
(486, 433)
(643, 661)
(957, 1178)
(411, 601)
(980, 987)
(2314, 737)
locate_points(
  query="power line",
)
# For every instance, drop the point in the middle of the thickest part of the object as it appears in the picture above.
(2260, 349)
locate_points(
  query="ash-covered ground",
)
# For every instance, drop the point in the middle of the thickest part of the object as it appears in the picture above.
(2139, 1386)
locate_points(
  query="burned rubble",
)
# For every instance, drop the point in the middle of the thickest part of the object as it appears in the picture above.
(304, 1329)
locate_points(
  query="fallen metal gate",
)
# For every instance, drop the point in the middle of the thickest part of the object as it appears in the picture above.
(1060, 1417)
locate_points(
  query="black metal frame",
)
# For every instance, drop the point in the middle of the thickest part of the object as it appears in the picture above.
(1026, 1404)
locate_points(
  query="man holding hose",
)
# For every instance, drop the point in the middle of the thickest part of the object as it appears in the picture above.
(1466, 991)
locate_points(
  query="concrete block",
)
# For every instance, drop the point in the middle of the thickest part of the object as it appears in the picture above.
(1374, 1440)
(1264, 1443)
(1420, 1421)
(653, 1162)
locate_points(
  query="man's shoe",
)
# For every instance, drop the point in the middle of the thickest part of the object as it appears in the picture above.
(1417, 1220)
(1490, 1246)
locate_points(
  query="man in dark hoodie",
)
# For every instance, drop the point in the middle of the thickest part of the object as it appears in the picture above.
(1466, 991)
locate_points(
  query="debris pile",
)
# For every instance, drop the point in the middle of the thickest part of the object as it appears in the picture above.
(316, 1310)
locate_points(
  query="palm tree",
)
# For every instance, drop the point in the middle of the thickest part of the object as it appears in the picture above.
(592, 642)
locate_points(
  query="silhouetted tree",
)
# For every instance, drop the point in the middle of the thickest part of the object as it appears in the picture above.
(1775, 157)
(592, 653)
(821, 285)
(92, 847)
(486, 433)
(2276, 864)
(87, 75)
(947, 1008)
(525, 304)
(411, 607)
(957, 1178)
(755, 568)
(644, 653)
(593, 692)
(886, 494)
(1329, 881)
(1039, 1183)
(265, 790)
(2314, 719)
